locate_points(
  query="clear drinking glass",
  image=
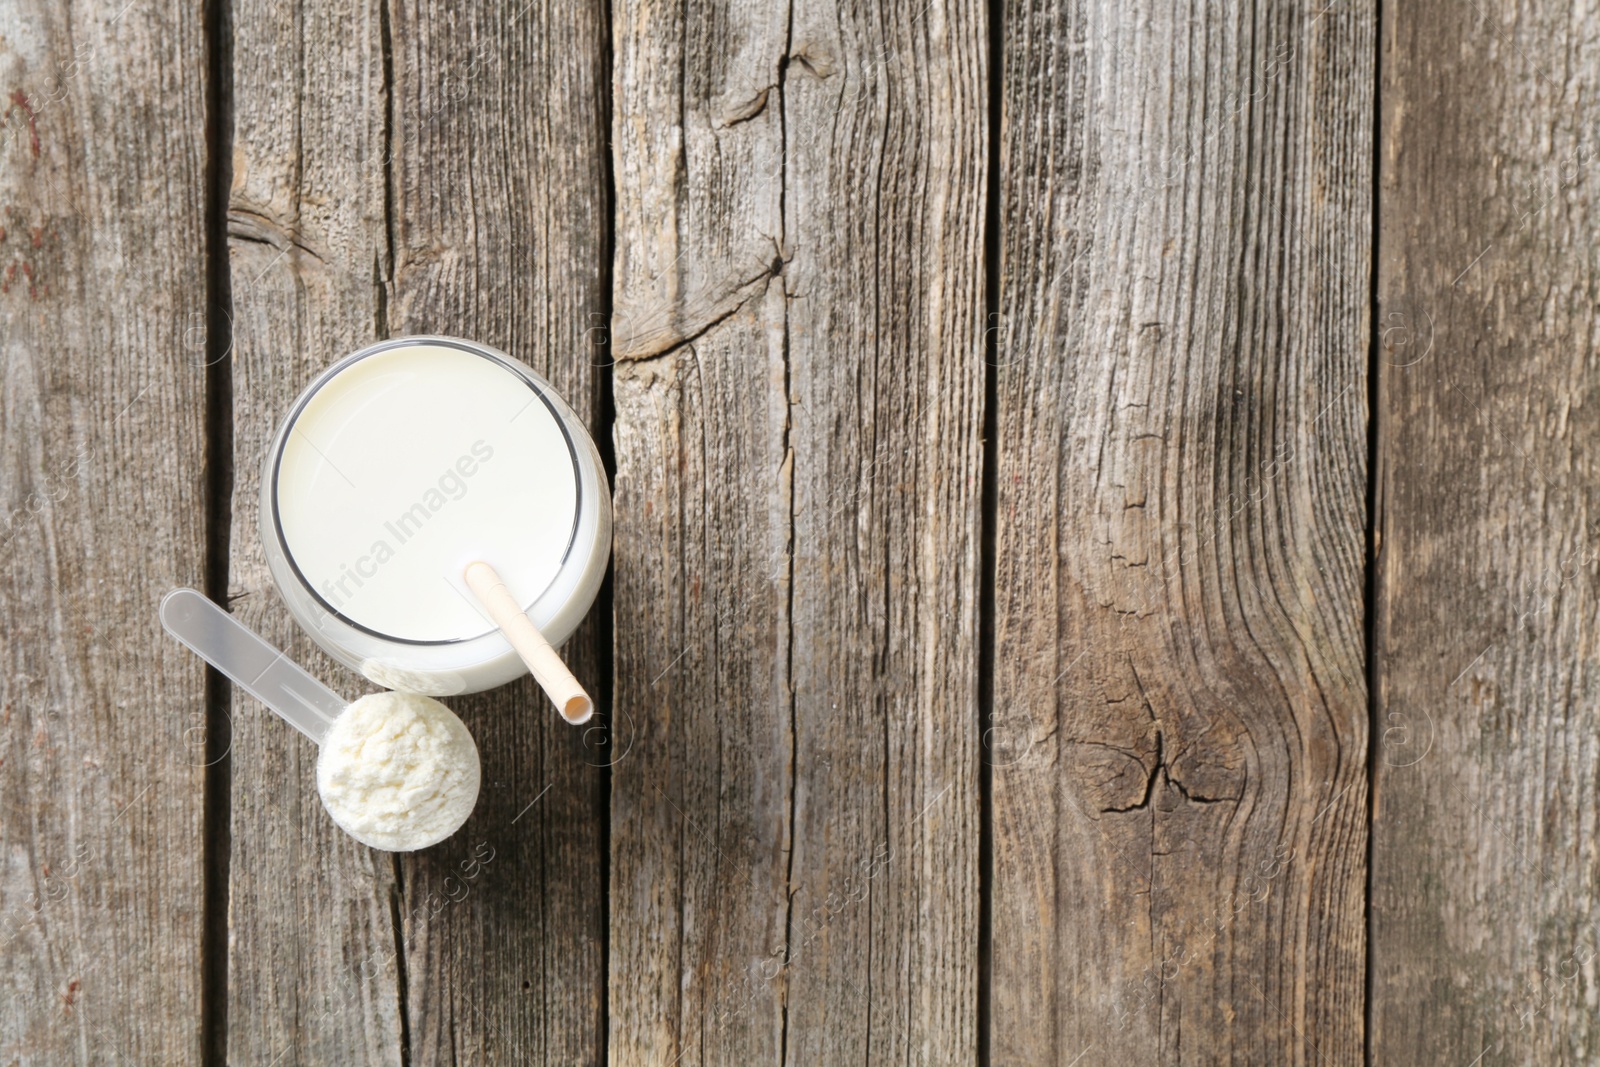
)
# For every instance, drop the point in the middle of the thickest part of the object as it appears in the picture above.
(400, 465)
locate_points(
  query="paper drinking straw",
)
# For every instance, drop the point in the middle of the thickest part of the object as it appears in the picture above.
(547, 667)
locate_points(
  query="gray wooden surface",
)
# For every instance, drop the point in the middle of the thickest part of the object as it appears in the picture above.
(1105, 539)
(1180, 714)
(103, 488)
(1485, 884)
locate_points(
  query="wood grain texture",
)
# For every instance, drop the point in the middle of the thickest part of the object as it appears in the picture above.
(884, 207)
(799, 402)
(498, 190)
(791, 329)
(1485, 884)
(701, 782)
(433, 189)
(102, 509)
(703, 749)
(1179, 731)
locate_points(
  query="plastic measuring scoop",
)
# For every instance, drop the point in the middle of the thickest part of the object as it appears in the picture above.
(427, 757)
(250, 663)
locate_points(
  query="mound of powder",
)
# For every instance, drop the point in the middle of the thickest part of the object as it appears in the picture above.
(398, 771)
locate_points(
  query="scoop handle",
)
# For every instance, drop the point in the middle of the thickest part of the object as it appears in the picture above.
(250, 663)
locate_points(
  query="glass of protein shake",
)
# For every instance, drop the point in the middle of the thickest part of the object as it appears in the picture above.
(400, 467)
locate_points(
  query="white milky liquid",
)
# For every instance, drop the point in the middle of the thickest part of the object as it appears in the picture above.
(410, 464)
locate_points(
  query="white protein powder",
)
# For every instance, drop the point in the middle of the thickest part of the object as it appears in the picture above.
(398, 771)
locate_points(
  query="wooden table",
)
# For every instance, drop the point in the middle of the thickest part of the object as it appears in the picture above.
(1105, 555)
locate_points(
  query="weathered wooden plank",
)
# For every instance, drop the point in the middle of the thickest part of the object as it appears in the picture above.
(1179, 730)
(794, 826)
(313, 966)
(1484, 890)
(498, 185)
(884, 210)
(417, 176)
(701, 787)
(102, 509)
